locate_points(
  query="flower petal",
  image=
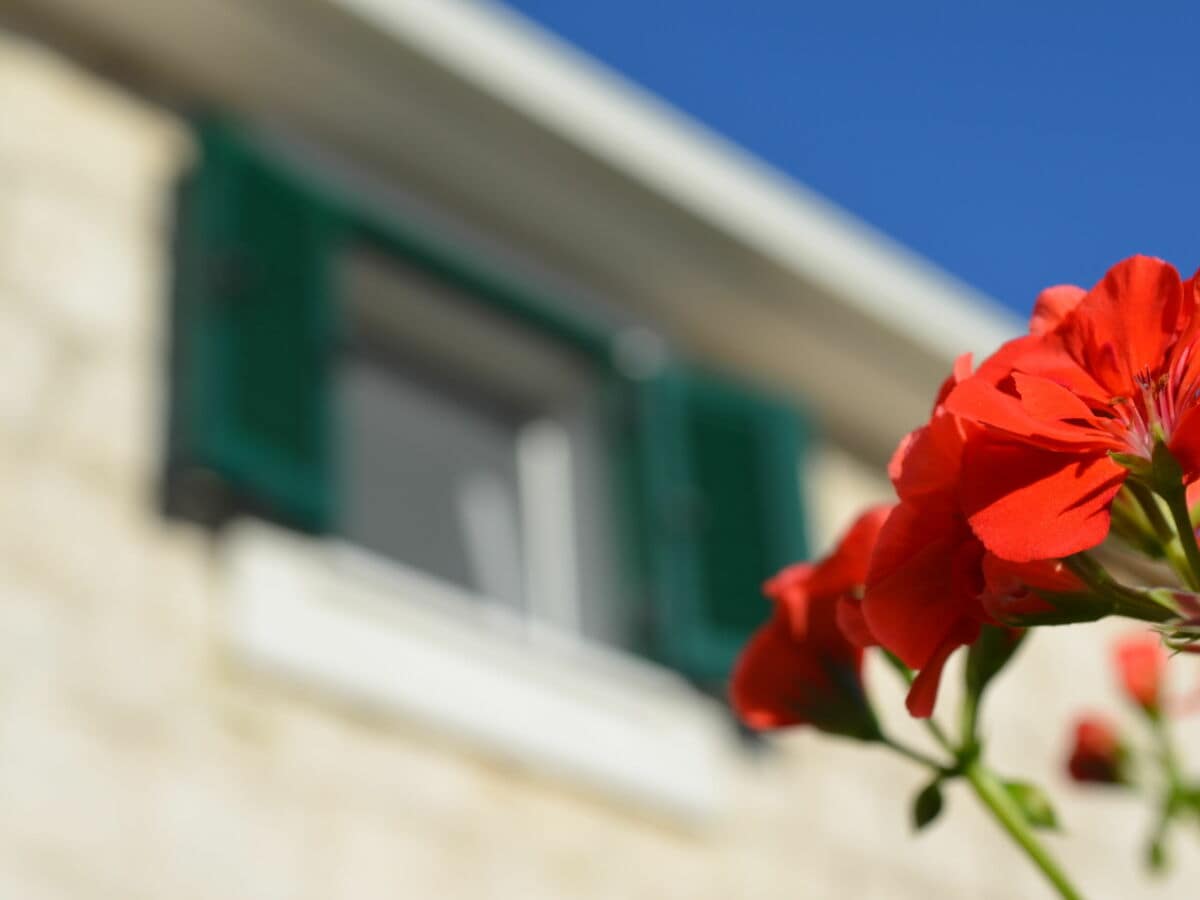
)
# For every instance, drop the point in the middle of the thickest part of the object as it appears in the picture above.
(1185, 444)
(1047, 359)
(846, 568)
(853, 623)
(923, 693)
(773, 678)
(779, 681)
(1027, 503)
(928, 459)
(1141, 662)
(981, 402)
(1045, 399)
(1126, 323)
(1053, 305)
(924, 578)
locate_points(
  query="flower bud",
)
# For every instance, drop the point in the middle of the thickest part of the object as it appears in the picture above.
(1097, 755)
(1141, 663)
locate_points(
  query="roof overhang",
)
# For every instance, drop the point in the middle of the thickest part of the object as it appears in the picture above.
(501, 123)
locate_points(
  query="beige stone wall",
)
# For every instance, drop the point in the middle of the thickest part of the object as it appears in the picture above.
(138, 760)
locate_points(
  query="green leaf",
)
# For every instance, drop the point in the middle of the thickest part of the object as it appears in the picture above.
(1034, 804)
(928, 804)
(989, 654)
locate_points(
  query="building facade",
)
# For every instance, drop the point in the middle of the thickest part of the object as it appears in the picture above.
(386, 435)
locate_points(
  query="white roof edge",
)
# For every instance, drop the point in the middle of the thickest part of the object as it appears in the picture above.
(595, 109)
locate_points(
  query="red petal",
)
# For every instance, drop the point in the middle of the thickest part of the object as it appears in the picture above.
(853, 623)
(1126, 323)
(771, 677)
(1053, 305)
(788, 580)
(1141, 664)
(923, 693)
(791, 590)
(959, 373)
(1027, 503)
(1185, 444)
(916, 591)
(896, 463)
(1047, 359)
(929, 459)
(1043, 574)
(846, 568)
(996, 367)
(1193, 494)
(779, 681)
(1185, 360)
(981, 402)
(1046, 399)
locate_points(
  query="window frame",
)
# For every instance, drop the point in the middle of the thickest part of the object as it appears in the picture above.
(650, 405)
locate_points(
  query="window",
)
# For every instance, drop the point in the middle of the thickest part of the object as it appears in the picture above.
(350, 374)
(490, 436)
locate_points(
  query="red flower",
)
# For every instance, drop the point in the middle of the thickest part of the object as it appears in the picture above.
(805, 665)
(1110, 371)
(1141, 663)
(931, 584)
(1097, 755)
(925, 579)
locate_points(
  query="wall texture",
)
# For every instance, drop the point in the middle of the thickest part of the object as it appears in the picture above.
(139, 760)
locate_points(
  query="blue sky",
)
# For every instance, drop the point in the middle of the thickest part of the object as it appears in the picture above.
(1015, 144)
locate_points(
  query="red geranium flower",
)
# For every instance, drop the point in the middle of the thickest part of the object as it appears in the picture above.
(1112, 370)
(1141, 663)
(931, 584)
(805, 665)
(923, 587)
(1097, 754)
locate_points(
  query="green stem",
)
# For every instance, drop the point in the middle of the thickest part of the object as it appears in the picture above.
(938, 735)
(1177, 789)
(969, 722)
(1126, 601)
(1176, 499)
(915, 755)
(1170, 542)
(1166, 748)
(1175, 796)
(898, 664)
(1145, 498)
(993, 795)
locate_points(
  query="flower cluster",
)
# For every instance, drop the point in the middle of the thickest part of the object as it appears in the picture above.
(1099, 753)
(1084, 431)
(1102, 754)
(1088, 424)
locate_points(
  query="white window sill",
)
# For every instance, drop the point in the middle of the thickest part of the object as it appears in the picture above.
(332, 617)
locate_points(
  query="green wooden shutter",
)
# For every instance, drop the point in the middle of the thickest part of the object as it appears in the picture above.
(717, 473)
(251, 341)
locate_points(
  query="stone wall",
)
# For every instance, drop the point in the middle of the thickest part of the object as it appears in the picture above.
(138, 760)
